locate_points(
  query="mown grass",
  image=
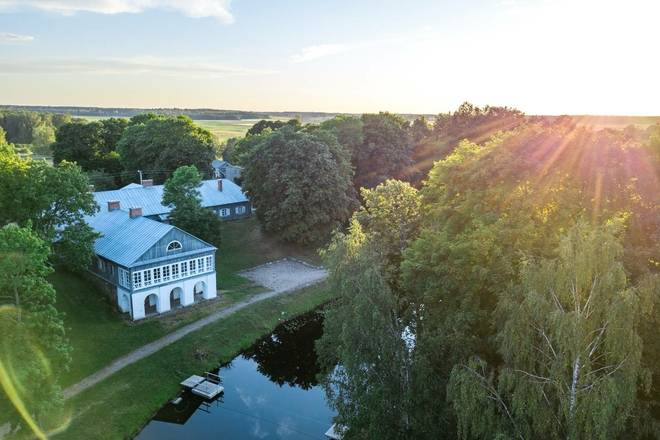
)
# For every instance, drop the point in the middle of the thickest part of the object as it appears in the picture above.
(118, 407)
(99, 334)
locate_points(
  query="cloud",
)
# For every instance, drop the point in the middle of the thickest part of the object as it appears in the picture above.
(8, 38)
(314, 52)
(218, 9)
(310, 53)
(119, 66)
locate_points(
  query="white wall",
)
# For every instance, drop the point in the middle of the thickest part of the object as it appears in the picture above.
(163, 294)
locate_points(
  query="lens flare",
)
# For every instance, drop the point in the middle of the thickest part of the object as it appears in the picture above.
(12, 381)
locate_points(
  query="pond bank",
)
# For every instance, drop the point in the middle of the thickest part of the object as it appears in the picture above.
(119, 406)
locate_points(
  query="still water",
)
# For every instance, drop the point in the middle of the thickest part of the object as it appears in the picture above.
(270, 393)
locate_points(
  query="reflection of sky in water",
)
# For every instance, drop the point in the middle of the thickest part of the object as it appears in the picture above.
(253, 406)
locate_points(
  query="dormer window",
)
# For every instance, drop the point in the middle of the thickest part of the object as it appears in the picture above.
(174, 246)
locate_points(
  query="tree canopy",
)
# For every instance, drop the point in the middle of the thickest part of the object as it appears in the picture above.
(182, 192)
(163, 144)
(51, 200)
(300, 184)
(503, 226)
(33, 350)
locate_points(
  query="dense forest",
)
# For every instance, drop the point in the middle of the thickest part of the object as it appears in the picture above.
(498, 280)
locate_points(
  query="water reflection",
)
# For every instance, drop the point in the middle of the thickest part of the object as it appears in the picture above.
(270, 393)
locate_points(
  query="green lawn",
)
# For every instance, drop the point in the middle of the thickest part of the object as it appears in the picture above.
(118, 407)
(100, 334)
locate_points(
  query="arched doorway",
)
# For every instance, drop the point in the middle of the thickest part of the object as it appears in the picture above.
(199, 290)
(175, 297)
(151, 304)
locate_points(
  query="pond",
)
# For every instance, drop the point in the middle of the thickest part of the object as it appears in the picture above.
(270, 393)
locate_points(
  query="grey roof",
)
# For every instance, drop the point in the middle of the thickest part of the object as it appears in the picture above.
(124, 239)
(149, 198)
(131, 185)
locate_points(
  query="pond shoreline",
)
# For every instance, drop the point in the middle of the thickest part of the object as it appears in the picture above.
(156, 379)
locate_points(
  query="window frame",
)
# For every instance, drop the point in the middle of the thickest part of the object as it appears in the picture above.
(171, 243)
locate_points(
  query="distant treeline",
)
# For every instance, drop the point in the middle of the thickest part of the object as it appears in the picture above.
(130, 112)
(197, 113)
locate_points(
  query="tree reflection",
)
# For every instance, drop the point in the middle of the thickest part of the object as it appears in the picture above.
(287, 355)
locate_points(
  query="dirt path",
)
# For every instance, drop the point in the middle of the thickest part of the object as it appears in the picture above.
(297, 275)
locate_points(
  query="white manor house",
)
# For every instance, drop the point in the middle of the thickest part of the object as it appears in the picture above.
(153, 267)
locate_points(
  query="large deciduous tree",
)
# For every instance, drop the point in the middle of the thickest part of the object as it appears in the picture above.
(182, 192)
(570, 349)
(91, 145)
(370, 330)
(385, 151)
(162, 144)
(33, 349)
(300, 184)
(53, 201)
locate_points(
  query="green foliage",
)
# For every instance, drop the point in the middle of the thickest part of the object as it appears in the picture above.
(300, 184)
(370, 329)
(569, 347)
(92, 145)
(182, 187)
(50, 199)
(385, 152)
(239, 150)
(420, 129)
(182, 192)
(164, 144)
(42, 136)
(264, 125)
(469, 120)
(348, 130)
(372, 387)
(34, 350)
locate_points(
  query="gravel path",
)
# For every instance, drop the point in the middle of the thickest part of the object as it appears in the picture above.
(283, 276)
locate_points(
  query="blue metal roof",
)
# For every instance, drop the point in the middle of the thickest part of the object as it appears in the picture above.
(124, 239)
(149, 198)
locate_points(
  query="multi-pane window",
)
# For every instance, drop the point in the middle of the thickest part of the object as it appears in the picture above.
(174, 246)
(123, 278)
(147, 277)
(224, 212)
(240, 210)
(170, 272)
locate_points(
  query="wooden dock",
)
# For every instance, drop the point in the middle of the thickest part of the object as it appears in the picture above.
(207, 387)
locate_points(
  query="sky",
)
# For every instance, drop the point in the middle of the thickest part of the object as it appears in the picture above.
(353, 56)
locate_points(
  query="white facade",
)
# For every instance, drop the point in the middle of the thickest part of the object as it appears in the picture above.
(158, 299)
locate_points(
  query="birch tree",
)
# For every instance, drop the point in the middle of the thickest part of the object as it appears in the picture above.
(569, 346)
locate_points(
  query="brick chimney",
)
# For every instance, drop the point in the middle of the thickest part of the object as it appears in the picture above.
(146, 183)
(134, 212)
(219, 184)
(113, 205)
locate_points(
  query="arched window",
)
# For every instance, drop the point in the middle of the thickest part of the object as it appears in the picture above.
(174, 246)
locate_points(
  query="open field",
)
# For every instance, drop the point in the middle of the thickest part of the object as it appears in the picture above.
(221, 129)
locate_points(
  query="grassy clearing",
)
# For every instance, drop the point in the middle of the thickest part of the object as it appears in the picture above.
(99, 333)
(118, 407)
